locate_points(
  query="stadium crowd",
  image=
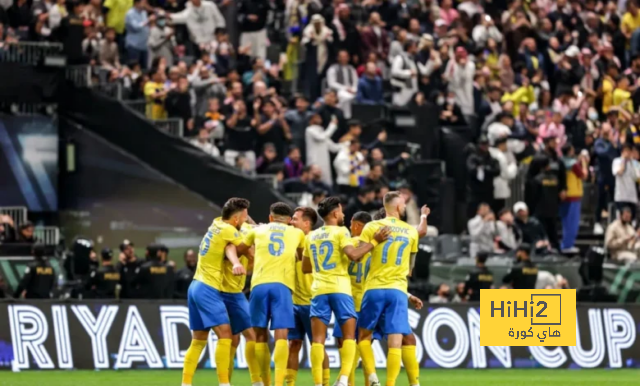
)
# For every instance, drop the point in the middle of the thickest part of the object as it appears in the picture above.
(547, 88)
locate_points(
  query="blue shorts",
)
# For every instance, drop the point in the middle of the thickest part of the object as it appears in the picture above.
(206, 307)
(340, 304)
(387, 309)
(377, 333)
(302, 317)
(271, 302)
(238, 310)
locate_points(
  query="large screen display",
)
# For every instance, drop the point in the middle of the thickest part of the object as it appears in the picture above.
(29, 162)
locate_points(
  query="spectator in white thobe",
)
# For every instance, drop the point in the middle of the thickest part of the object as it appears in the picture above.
(460, 73)
(404, 74)
(319, 144)
(343, 79)
(202, 19)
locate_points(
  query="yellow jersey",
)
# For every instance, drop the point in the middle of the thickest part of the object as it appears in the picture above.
(155, 106)
(358, 272)
(608, 84)
(231, 283)
(211, 255)
(275, 255)
(390, 260)
(622, 98)
(330, 266)
(302, 290)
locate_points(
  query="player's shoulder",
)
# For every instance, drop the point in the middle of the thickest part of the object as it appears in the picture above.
(342, 231)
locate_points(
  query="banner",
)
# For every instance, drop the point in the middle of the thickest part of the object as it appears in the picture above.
(29, 167)
(145, 334)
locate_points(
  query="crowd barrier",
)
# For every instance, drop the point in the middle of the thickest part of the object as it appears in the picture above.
(146, 334)
(32, 53)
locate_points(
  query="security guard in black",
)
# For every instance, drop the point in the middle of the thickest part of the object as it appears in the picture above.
(156, 277)
(184, 276)
(524, 274)
(39, 277)
(104, 280)
(479, 278)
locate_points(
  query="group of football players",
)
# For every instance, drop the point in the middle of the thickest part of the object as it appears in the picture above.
(300, 278)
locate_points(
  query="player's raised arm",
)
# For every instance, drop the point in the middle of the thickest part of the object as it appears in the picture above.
(422, 227)
(364, 247)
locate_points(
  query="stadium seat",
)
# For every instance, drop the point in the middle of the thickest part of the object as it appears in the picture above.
(450, 246)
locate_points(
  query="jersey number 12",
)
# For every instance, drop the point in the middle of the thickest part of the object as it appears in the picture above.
(326, 249)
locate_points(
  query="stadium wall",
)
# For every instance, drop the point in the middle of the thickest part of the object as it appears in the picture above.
(144, 334)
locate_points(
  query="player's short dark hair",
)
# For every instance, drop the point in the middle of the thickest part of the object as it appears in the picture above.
(328, 205)
(281, 209)
(362, 217)
(233, 206)
(382, 213)
(390, 196)
(309, 214)
(482, 256)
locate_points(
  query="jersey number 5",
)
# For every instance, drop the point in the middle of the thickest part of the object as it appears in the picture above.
(276, 238)
(326, 249)
(206, 241)
(403, 244)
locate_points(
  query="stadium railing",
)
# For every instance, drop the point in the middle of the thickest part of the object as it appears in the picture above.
(173, 126)
(269, 179)
(79, 75)
(48, 235)
(17, 213)
(139, 105)
(29, 108)
(517, 186)
(29, 52)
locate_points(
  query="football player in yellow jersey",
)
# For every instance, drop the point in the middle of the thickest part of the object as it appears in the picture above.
(271, 303)
(206, 307)
(409, 359)
(331, 248)
(385, 300)
(304, 219)
(238, 309)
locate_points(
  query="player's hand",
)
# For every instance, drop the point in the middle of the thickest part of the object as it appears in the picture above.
(382, 234)
(238, 270)
(425, 210)
(415, 302)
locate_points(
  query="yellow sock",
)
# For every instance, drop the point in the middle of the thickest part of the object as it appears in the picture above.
(191, 360)
(411, 366)
(394, 361)
(281, 358)
(290, 380)
(352, 376)
(346, 357)
(232, 361)
(317, 357)
(368, 360)
(222, 360)
(326, 377)
(263, 357)
(252, 361)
